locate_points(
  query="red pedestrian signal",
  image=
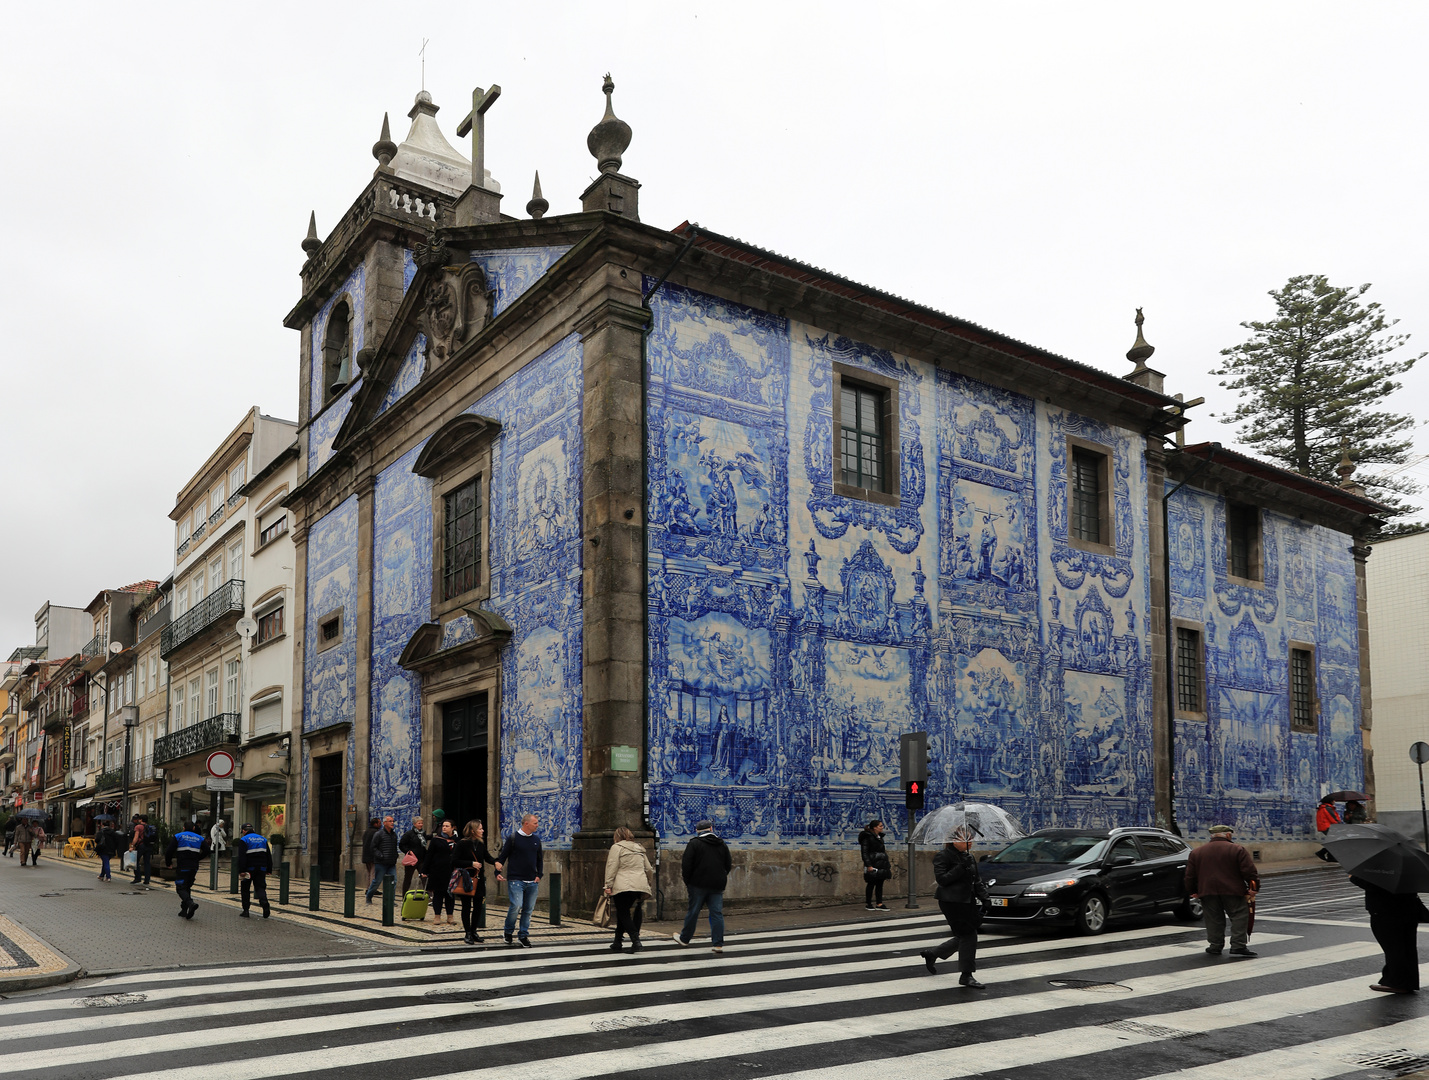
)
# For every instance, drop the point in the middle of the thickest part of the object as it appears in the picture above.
(913, 794)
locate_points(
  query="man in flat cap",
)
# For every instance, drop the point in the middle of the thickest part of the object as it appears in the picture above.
(1222, 875)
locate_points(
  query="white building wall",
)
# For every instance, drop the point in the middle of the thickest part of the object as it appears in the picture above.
(1397, 577)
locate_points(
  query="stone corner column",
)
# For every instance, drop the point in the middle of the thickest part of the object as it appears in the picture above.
(1158, 632)
(364, 488)
(1361, 550)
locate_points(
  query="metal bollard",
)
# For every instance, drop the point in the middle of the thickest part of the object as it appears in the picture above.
(213, 871)
(283, 871)
(232, 874)
(554, 898)
(389, 898)
(349, 894)
(314, 886)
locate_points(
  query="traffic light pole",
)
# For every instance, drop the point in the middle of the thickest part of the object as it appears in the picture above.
(912, 867)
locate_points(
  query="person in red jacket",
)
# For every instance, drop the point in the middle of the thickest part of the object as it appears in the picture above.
(1327, 815)
(1222, 874)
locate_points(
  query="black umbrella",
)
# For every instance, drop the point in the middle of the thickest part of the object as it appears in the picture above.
(103, 817)
(34, 813)
(1381, 856)
(1346, 796)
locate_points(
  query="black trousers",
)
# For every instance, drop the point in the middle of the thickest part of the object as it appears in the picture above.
(629, 911)
(183, 885)
(873, 892)
(258, 880)
(141, 864)
(962, 920)
(1398, 936)
(437, 890)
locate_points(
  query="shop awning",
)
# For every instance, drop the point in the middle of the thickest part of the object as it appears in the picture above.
(83, 802)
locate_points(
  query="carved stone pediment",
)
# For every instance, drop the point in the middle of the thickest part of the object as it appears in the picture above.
(455, 305)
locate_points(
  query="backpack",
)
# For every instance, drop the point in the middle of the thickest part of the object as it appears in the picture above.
(151, 833)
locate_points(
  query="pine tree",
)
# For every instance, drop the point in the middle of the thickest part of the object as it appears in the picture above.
(1314, 375)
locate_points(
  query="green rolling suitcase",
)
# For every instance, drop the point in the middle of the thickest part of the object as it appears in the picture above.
(414, 906)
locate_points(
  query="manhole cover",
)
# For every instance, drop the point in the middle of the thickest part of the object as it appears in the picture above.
(1091, 986)
(628, 1023)
(112, 1001)
(459, 993)
(1153, 1031)
(1397, 1062)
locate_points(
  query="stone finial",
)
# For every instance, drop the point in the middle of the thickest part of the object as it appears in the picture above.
(311, 243)
(609, 139)
(1346, 467)
(1140, 352)
(538, 206)
(384, 149)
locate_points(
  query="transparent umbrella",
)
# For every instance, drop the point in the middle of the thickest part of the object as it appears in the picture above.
(989, 824)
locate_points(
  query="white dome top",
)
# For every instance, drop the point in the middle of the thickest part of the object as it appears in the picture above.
(425, 157)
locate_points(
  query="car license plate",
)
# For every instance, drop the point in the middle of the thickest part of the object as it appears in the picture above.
(999, 901)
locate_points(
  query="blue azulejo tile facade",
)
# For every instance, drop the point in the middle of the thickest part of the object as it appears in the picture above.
(796, 632)
(1244, 762)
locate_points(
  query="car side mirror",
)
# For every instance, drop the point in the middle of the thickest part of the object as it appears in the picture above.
(982, 857)
(1123, 860)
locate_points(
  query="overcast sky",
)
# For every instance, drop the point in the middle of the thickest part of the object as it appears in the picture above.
(1041, 169)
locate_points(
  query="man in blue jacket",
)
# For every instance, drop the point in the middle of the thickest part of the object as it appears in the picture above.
(705, 868)
(519, 863)
(255, 863)
(189, 848)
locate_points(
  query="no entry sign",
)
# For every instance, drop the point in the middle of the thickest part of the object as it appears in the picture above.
(220, 764)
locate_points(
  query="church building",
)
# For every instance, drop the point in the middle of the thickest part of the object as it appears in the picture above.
(626, 525)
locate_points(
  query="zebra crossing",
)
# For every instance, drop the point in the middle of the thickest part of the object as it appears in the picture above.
(839, 1002)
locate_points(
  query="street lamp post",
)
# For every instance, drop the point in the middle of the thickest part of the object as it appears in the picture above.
(130, 715)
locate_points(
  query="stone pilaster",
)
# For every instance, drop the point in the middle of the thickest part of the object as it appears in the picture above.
(362, 711)
(1361, 552)
(1163, 759)
(298, 621)
(613, 577)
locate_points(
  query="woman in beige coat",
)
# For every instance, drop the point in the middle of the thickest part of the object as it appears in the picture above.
(627, 883)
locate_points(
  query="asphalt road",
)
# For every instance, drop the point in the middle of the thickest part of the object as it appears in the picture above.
(844, 1001)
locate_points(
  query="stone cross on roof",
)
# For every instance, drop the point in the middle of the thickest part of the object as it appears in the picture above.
(475, 122)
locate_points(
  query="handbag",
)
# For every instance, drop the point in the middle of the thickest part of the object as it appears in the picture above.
(461, 884)
(603, 915)
(409, 858)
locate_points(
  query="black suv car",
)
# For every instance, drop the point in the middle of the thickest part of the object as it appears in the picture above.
(1087, 876)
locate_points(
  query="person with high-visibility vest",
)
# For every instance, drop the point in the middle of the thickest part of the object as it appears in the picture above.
(255, 863)
(188, 849)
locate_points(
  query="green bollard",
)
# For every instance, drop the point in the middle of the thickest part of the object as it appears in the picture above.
(283, 871)
(213, 871)
(232, 874)
(554, 898)
(314, 885)
(389, 897)
(349, 894)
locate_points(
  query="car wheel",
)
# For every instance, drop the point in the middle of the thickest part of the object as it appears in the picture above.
(1091, 914)
(1189, 909)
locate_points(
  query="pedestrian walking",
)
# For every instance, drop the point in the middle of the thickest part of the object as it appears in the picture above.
(188, 849)
(37, 841)
(1327, 814)
(1222, 875)
(439, 873)
(106, 846)
(468, 856)
(1394, 920)
(373, 828)
(384, 855)
(255, 863)
(141, 842)
(1355, 813)
(413, 847)
(961, 895)
(24, 837)
(520, 864)
(218, 837)
(627, 883)
(11, 824)
(705, 869)
(876, 867)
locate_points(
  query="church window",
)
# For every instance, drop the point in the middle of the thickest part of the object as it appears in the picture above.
(1089, 497)
(330, 630)
(1190, 673)
(461, 539)
(337, 352)
(1302, 689)
(865, 428)
(1243, 541)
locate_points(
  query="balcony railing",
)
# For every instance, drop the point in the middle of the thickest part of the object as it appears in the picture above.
(156, 621)
(96, 646)
(224, 600)
(205, 735)
(141, 770)
(81, 705)
(113, 779)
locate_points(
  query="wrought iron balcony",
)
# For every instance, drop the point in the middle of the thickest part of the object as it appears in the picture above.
(141, 770)
(224, 600)
(96, 646)
(207, 734)
(156, 621)
(111, 780)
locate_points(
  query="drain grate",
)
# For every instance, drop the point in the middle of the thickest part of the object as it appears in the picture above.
(112, 1001)
(1398, 1062)
(637, 1024)
(1091, 986)
(51, 894)
(1152, 1031)
(460, 993)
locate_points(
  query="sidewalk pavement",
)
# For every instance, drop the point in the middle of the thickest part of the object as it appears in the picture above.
(146, 937)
